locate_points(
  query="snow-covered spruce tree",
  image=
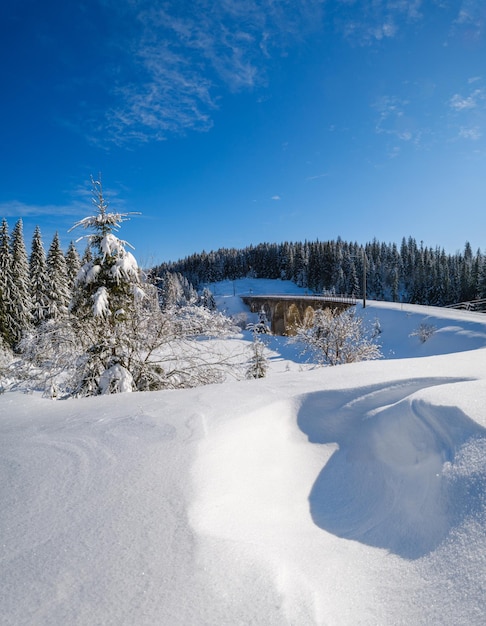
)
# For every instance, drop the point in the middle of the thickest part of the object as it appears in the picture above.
(87, 255)
(6, 322)
(59, 293)
(14, 317)
(73, 264)
(261, 327)
(20, 275)
(49, 348)
(258, 364)
(206, 299)
(335, 338)
(176, 290)
(39, 279)
(169, 290)
(107, 297)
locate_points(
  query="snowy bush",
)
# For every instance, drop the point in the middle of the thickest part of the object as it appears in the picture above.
(49, 356)
(336, 337)
(424, 332)
(192, 320)
(6, 358)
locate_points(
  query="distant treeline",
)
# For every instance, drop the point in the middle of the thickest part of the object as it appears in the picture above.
(410, 272)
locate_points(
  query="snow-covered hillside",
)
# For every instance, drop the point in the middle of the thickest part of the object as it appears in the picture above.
(316, 496)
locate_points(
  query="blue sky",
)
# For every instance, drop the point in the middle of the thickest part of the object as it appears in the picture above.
(231, 122)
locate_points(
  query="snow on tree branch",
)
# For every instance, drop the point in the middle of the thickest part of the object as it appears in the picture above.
(101, 304)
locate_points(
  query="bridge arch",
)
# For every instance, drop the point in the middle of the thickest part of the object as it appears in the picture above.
(308, 318)
(286, 312)
(278, 319)
(293, 319)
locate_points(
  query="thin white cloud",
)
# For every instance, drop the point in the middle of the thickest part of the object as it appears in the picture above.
(178, 61)
(17, 209)
(460, 103)
(403, 120)
(473, 134)
(392, 119)
(276, 198)
(471, 12)
(467, 111)
(368, 22)
(318, 176)
(470, 20)
(389, 29)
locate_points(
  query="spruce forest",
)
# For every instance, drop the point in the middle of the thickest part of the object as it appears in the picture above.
(410, 272)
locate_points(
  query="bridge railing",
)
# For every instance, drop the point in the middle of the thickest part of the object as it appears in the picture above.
(332, 297)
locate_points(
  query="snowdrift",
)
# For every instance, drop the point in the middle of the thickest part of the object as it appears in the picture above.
(387, 484)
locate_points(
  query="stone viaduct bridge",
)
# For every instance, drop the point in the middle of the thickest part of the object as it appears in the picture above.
(285, 312)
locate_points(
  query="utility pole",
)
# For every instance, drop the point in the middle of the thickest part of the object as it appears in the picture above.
(364, 278)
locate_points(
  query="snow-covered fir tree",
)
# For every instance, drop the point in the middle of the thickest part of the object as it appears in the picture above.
(258, 363)
(168, 290)
(87, 255)
(207, 300)
(20, 276)
(261, 327)
(39, 280)
(59, 293)
(175, 290)
(14, 294)
(108, 294)
(7, 324)
(73, 264)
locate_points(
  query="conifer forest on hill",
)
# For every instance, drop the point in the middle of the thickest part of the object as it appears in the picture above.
(410, 272)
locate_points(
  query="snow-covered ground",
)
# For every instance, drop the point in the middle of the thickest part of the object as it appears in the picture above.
(334, 496)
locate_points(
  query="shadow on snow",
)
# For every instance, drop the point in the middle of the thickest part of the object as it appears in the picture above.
(395, 481)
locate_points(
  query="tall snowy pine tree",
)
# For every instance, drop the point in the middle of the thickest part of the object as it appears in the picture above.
(73, 265)
(108, 296)
(39, 279)
(20, 277)
(58, 289)
(7, 324)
